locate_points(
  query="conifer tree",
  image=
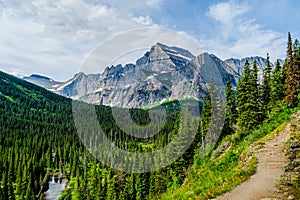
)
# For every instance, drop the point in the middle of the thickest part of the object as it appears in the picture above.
(266, 88)
(206, 115)
(296, 61)
(255, 87)
(247, 97)
(291, 81)
(231, 109)
(277, 83)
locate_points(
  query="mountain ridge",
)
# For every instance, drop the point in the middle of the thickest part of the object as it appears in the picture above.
(162, 73)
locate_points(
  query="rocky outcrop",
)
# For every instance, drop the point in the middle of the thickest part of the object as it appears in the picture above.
(290, 181)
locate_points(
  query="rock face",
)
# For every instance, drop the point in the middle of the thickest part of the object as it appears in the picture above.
(290, 181)
(162, 73)
(79, 85)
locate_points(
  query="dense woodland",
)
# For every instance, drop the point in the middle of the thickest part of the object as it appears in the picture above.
(38, 134)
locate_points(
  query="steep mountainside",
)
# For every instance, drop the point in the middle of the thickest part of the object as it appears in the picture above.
(162, 73)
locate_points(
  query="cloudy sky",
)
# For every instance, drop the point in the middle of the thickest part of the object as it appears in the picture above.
(54, 38)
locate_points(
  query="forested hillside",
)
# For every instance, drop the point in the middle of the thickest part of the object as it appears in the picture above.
(38, 137)
(37, 134)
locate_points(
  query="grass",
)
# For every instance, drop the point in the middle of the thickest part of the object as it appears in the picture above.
(212, 176)
(166, 102)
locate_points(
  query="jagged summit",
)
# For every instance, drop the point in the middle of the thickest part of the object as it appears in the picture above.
(176, 51)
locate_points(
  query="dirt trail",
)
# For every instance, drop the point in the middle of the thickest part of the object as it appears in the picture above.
(271, 162)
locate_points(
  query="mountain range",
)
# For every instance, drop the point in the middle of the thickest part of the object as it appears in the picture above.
(163, 73)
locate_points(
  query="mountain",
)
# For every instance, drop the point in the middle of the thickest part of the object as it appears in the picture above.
(42, 81)
(163, 73)
(238, 64)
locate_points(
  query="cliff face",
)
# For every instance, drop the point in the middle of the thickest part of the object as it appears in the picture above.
(290, 181)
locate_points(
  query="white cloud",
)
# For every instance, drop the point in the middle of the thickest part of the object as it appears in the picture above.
(145, 20)
(225, 12)
(54, 37)
(48, 36)
(239, 34)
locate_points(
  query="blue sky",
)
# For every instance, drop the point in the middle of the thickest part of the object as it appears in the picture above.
(53, 38)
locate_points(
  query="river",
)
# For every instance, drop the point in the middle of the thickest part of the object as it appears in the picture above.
(56, 186)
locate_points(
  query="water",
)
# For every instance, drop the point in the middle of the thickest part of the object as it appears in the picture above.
(56, 186)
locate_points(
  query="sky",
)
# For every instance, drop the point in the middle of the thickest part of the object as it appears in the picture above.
(55, 38)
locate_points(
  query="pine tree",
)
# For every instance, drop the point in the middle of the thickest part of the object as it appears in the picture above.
(247, 97)
(206, 114)
(277, 84)
(266, 88)
(296, 61)
(255, 90)
(205, 121)
(29, 190)
(291, 81)
(231, 109)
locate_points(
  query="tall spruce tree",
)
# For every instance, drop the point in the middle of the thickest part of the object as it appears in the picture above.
(277, 83)
(206, 114)
(266, 88)
(231, 109)
(207, 124)
(255, 90)
(247, 97)
(291, 79)
(296, 61)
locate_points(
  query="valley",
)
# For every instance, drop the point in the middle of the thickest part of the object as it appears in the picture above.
(185, 130)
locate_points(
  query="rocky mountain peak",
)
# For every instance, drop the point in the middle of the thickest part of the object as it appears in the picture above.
(164, 72)
(176, 51)
(157, 53)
